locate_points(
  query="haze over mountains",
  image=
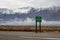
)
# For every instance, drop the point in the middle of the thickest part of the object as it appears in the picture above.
(27, 14)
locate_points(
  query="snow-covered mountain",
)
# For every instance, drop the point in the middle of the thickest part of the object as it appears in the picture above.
(22, 10)
(13, 11)
(48, 14)
(5, 11)
(26, 16)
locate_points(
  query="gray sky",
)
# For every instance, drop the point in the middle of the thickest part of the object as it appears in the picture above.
(25, 3)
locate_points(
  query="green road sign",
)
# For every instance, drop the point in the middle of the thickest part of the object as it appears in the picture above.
(38, 19)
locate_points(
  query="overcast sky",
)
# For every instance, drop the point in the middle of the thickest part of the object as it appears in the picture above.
(25, 3)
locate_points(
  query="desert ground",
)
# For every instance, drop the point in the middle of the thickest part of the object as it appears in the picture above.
(30, 28)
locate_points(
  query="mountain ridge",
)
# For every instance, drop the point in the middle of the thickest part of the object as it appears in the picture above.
(48, 14)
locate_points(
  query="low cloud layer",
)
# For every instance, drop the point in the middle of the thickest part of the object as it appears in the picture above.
(30, 22)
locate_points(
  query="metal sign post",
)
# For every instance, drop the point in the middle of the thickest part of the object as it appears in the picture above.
(36, 28)
(39, 26)
(38, 19)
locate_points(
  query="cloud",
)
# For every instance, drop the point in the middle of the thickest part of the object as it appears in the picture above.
(30, 22)
(13, 3)
(31, 3)
(46, 3)
(51, 23)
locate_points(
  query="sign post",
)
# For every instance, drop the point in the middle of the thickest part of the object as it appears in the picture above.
(38, 19)
(36, 28)
(39, 26)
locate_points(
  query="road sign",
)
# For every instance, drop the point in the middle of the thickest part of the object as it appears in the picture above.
(38, 19)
